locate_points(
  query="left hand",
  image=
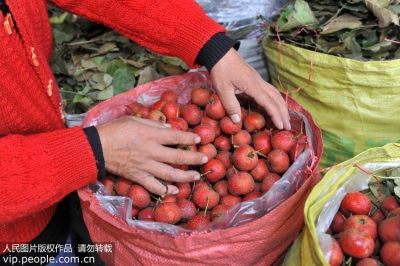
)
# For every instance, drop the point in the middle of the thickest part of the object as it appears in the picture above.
(233, 75)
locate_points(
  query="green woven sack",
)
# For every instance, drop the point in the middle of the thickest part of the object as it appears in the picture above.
(313, 245)
(356, 104)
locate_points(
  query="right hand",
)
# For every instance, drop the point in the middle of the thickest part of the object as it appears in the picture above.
(136, 149)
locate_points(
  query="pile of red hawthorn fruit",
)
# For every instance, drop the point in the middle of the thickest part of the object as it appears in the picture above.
(245, 159)
(367, 234)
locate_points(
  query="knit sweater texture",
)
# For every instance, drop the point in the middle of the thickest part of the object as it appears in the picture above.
(41, 160)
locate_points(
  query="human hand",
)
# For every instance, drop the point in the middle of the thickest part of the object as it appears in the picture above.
(135, 148)
(233, 75)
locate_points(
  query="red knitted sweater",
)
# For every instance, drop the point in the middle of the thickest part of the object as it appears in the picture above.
(41, 161)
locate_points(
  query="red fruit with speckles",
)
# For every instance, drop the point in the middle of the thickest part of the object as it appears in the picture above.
(389, 230)
(214, 108)
(355, 203)
(169, 96)
(221, 187)
(278, 161)
(254, 121)
(356, 243)
(132, 108)
(171, 109)
(167, 212)
(122, 185)
(146, 214)
(231, 170)
(188, 208)
(109, 183)
(225, 157)
(337, 255)
(192, 114)
(139, 195)
(240, 183)
(205, 120)
(209, 150)
(337, 224)
(393, 213)
(178, 123)
(198, 222)
(260, 171)
(283, 140)
(200, 95)
(262, 142)
(214, 170)
(157, 115)
(230, 200)
(143, 112)
(157, 105)
(223, 143)
(389, 203)
(252, 195)
(185, 189)
(228, 127)
(206, 133)
(244, 158)
(368, 262)
(390, 253)
(205, 197)
(169, 198)
(218, 211)
(378, 216)
(243, 137)
(269, 180)
(362, 223)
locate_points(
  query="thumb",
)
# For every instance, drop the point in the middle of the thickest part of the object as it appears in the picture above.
(231, 104)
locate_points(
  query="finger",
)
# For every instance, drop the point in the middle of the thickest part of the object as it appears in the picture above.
(270, 99)
(167, 136)
(166, 172)
(230, 103)
(150, 122)
(178, 156)
(282, 108)
(156, 187)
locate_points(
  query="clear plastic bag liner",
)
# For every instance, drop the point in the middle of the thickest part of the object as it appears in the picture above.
(357, 182)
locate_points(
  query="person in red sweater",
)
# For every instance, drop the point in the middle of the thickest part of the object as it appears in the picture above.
(42, 161)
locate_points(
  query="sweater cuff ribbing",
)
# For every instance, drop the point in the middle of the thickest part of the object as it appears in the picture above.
(215, 49)
(94, 141)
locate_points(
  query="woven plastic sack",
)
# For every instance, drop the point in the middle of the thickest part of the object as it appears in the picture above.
(260, 230)
(354, 103)
(313, 246)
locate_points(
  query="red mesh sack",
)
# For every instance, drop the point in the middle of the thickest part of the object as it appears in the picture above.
(257, 232)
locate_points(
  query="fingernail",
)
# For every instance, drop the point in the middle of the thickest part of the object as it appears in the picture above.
(197, 140)
(204, 159)
(281, 125)
(167, 125)
(235, 118)
(196, 177)
(289, 126)
(175, 192)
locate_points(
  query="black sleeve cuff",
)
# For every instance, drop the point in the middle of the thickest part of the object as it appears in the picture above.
(215, 49)
(94, 141)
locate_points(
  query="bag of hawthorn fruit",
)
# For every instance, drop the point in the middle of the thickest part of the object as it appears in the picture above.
(260, 227)
(353, 214)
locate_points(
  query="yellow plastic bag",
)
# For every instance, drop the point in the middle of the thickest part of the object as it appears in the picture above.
(354, 103)
(313, 245)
